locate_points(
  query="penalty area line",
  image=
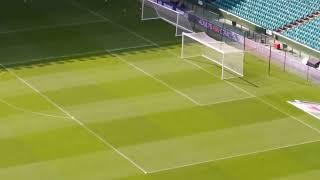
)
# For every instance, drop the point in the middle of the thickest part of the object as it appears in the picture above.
(234, 156)
(200, 67)
(157, 79)
(258, 98)
(32, 112)
(143, 38)
(37, 91)
(129, 48)
(97, 14)
(228, 100)
(102, 140)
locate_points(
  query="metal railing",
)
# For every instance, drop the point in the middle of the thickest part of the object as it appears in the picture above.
(258, 44)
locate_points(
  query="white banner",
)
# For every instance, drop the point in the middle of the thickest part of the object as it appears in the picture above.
(311, 108)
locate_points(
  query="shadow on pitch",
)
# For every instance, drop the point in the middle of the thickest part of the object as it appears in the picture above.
(210, 64)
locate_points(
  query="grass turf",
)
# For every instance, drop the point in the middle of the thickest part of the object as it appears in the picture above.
(140, 102)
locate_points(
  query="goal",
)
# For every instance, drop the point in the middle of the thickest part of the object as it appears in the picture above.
(151, 9)
(229, 58)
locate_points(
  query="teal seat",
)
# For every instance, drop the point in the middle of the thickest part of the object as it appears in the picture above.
(277, 12)
(308, 34)
(274, 14)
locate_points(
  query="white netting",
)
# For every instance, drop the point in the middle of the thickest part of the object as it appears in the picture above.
(229, 58)
(151, 9)
(233, 64)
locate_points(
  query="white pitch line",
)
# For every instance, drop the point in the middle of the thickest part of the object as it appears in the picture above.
(234, 156)
(139, 69)
(78, 5)
(37, 91)
(110, 21)
(27, 111)
(235, 86)
(226, 101)
(260, 99)
(129, 48)
(76, 120)
(112, 147)
(32, 112)
(158, 80)
(51, 27)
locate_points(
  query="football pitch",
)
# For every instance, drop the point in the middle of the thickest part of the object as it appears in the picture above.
(88, 91)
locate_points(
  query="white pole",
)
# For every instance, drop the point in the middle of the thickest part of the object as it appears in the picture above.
(182, 47)
(222, 69)
(142, 10)
(177, 20)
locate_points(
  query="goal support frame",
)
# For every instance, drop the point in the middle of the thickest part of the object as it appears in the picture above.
(178, 17)
(233, 65)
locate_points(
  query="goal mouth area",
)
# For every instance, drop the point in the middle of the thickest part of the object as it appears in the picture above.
(228, 58)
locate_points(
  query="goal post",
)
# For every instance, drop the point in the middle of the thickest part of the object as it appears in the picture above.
(229, 58)
(151, 9)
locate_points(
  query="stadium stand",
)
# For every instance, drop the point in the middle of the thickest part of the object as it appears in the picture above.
(298, 20)
(271, 14)
(308, 33)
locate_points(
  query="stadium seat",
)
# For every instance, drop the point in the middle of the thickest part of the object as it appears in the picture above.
(271, 14)
(275, 14)
(308, 34)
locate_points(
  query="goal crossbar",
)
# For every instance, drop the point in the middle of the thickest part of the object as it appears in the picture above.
(206, 40)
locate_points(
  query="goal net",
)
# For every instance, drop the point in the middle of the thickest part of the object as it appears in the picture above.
(152, 9)
(229, 58)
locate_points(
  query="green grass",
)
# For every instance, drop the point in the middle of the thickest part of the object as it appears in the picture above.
(135, 108)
